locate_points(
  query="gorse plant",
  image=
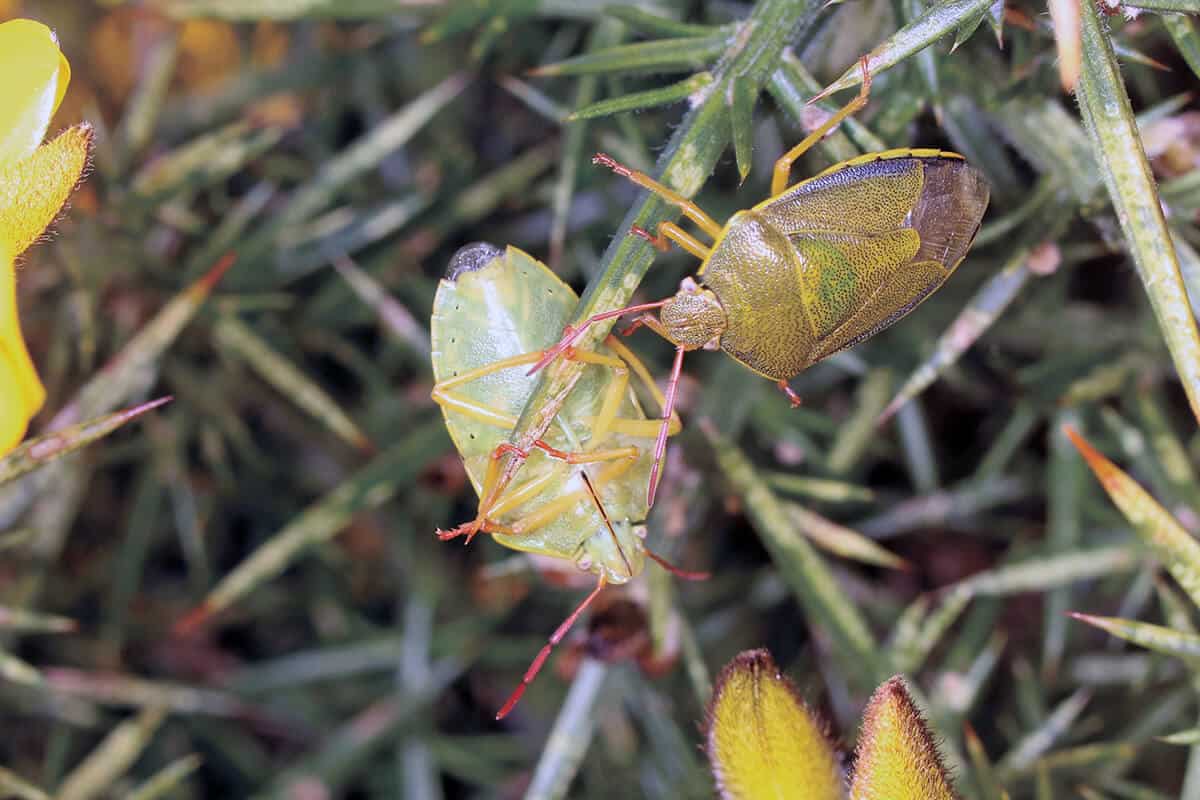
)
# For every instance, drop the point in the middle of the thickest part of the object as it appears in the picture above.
(243, 594)
(763, 742)
(35, 182)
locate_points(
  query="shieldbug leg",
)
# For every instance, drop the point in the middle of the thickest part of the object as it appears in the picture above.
(647, 428)
(645, 321)
(669, 424)
(607, 521)
(670, 232)
(614, 393)
(489, 495)
(620, 457)
(492, 493)
(792, 397)
(689, 208)
(667, 403)
(587, 456)
(536, 666)
(563, 503)
(783, 167)
(445, 397)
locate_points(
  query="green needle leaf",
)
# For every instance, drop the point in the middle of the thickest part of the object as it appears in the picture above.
(1158, 638)
(370, 487)
(662, 55)
(1108, 118)
(48, 447)
(1178, 551)
(1183, 32)
(948, 16)
(651, 98)
(742, 97)
(650, 24)
(806, 573)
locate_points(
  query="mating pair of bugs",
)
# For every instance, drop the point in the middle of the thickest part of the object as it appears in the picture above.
(815, 268)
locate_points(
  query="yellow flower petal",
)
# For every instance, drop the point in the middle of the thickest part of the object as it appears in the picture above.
(33, 190)
(21, 393)
(763, 743)
(897, 758)
(36, 75)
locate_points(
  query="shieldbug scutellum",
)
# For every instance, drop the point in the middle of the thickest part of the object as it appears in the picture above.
(492, 315)
(815, 268)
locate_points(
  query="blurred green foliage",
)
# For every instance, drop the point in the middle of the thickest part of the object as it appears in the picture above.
(291, 489)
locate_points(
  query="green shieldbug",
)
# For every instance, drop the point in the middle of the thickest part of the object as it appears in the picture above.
(579, 495)
(816, 267)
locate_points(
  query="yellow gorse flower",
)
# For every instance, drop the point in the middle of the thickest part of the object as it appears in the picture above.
(897, 757)
(35, 181)
(764, 743)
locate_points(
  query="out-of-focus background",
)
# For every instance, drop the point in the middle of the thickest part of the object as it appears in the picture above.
(292, 487)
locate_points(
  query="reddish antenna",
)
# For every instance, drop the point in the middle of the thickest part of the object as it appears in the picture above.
(607, 522)
(685, 574)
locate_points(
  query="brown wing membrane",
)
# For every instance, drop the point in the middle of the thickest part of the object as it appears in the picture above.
(912, 217)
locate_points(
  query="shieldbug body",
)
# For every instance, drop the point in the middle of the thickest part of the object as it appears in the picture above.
(578, 494)
(815, 268)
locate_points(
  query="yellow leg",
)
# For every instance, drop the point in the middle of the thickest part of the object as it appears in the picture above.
(544, 515)
(489, 492)
(489, 415)
(526, 492)
(641, 427)
(561, 505)
(670, 232)
(613, 395)
(514, 497)
(488, 369)
(476, 411)
(496, 501)
(592, 456)
(493, 498)
(690, 209)
(783, 167)
(607, 420)
(480, 412)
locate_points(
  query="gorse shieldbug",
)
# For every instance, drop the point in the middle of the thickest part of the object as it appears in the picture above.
(579, 495)
(815, 268)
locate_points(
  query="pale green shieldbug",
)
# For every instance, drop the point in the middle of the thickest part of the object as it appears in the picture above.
(580, 496)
